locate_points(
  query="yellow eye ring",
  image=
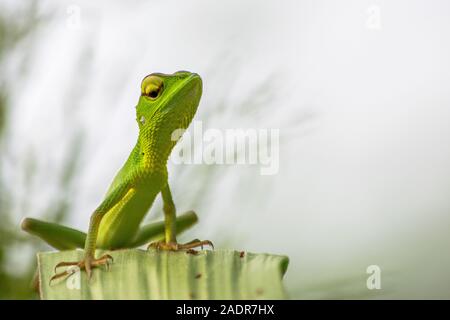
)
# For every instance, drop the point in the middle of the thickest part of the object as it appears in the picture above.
(152, 86)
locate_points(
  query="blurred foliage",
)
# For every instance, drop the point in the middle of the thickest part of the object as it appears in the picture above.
(12, 32)
(17, 27)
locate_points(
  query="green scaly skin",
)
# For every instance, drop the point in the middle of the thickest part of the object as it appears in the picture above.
(167, 103)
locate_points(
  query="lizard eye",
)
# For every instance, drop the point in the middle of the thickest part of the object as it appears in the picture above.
(152, 86)
(153, 93)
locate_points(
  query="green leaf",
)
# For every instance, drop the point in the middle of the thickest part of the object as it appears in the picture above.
(138, 274)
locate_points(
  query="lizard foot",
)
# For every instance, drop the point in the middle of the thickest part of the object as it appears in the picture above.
(174, 246)
(85, 264)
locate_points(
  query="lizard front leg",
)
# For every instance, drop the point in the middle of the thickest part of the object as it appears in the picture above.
(89, 261)
(170, 242)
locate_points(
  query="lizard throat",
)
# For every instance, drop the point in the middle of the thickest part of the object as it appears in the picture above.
(153, 153)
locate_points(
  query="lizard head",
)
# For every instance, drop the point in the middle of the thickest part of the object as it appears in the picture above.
(168, 102)
(171, 98)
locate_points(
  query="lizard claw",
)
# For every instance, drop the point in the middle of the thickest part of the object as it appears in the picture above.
(174, 246)
(65, 264)
(86, 264)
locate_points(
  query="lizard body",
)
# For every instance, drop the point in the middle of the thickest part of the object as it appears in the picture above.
(167, 103)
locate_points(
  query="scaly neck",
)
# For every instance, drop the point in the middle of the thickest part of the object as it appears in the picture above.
(154, 152)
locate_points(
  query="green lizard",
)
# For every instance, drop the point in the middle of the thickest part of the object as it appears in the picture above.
(167, 103)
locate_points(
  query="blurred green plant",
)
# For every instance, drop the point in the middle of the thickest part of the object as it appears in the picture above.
(138, 274)
(17, 27)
